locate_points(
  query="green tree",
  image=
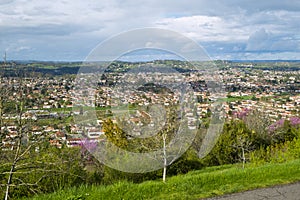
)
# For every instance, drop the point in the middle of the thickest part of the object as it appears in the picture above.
(115, 134)
(235, 140)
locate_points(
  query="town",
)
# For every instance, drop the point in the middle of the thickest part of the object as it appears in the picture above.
(51, 103)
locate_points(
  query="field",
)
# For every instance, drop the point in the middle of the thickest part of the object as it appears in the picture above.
(208, 182)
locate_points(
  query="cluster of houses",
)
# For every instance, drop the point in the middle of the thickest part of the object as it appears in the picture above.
(276, 93)
(273, 92)
(56, 136)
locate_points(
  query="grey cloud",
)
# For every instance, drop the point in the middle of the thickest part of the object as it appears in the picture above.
(3, 2)
(53, 30)
(274, 24)
(285, 45)
(255, 6)
(217, 7)
(258, 41)
(262, 41)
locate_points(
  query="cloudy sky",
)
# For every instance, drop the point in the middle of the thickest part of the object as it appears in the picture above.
(70, 29)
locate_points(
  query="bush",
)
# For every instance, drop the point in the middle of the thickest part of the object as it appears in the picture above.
(277, 153)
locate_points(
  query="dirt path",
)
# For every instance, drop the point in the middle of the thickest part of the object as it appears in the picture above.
(282, 192)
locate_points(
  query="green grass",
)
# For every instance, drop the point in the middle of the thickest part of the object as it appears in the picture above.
(59, 109)
(45, 122)
(232, 99)
(120, 108)
(208, 182)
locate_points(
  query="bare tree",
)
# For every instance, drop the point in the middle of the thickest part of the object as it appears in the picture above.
(258, 121)
(244, 145)
(4, 93)
(29, 163)
(19, 149)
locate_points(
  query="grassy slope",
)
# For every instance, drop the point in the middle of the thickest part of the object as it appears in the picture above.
(194, 185)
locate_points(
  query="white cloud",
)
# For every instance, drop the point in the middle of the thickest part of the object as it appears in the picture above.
(22, 48)
(205, 28)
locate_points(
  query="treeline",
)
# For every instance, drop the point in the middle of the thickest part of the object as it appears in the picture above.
(14, 71)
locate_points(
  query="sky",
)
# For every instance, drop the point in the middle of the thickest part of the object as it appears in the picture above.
(68, 30)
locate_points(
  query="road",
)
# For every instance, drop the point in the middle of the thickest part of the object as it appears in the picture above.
(282, 192)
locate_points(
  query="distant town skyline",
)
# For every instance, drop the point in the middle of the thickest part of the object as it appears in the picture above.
(228, 30)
